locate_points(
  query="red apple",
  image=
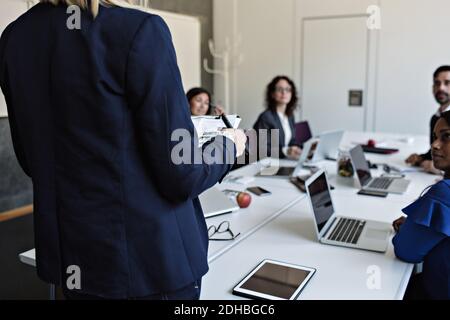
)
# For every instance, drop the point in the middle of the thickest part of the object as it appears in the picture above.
(243, 199)
(371, 143)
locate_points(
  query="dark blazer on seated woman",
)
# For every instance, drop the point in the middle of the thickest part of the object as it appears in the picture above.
(92, 112)
(425, 237)
(269, 120)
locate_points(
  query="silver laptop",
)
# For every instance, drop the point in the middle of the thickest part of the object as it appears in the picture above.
(339, 230)
(214, 202)
(323, 147)
(307, 156)
(328, 146)
(282, 172)
(367, 182)
(304, 163)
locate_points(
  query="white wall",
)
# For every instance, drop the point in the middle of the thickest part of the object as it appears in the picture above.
(404, 54)
(9, 11)
(414, 42)
(267, 36)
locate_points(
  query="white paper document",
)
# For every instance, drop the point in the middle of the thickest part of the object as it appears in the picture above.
(208, 127)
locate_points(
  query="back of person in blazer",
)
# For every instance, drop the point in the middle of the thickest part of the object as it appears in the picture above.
(92, 111)
(281, 100)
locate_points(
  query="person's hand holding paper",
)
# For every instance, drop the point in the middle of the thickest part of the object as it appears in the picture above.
(238, 137)
(208, 127)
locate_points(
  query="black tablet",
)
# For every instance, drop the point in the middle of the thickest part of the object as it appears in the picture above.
(274, 280)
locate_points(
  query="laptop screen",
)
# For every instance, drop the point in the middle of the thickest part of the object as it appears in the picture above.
(361, 167)
(329, 144)
(321, 201)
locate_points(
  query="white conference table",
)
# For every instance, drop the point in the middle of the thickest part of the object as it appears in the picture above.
(342, 273)
(287, 202)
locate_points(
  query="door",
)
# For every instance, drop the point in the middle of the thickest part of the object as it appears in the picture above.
(334, 73)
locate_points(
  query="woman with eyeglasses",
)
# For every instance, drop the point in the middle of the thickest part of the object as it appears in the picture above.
(424, 236)
(281, 100)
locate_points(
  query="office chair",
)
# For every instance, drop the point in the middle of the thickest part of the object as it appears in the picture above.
(302, 132)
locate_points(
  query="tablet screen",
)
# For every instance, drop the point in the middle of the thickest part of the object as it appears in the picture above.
(275, 280)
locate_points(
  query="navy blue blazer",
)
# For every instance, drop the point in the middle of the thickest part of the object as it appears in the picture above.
(91, 113)
(270, 120)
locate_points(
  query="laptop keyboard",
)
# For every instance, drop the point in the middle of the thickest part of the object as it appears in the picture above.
(347, 230)
(381, 183)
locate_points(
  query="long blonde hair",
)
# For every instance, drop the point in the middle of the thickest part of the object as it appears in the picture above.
(95, 4)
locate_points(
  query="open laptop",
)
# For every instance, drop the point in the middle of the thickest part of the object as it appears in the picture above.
(214, 202)
(367, 182)
(328, 147)
(323, 147)
(339, 230)
(307, 154)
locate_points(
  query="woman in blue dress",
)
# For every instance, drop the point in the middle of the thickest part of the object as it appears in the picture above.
(424, 236)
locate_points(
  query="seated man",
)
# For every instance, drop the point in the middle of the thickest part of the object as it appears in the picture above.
(441, 91)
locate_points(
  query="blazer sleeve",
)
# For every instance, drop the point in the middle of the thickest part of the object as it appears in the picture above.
(415, 241)
(159, 107)
(17, 144)
(428, 223)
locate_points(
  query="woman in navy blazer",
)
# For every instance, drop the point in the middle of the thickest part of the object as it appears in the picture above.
(424, 236)
(281, 100)
(92, 111)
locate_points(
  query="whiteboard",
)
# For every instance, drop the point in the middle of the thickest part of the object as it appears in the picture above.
(185, 34)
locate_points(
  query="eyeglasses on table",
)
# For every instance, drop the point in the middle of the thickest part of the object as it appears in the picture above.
(222, 232)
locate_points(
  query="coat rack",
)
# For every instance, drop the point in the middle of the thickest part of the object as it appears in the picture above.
(144, 3)
(230, 61)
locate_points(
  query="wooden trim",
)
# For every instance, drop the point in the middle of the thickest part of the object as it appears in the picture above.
(16, 213)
